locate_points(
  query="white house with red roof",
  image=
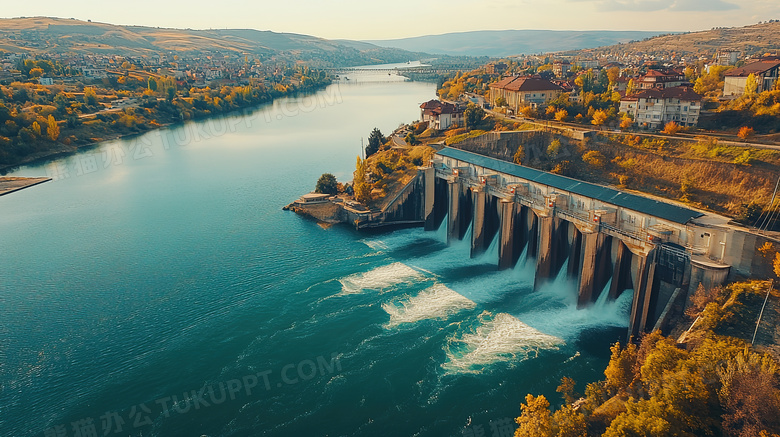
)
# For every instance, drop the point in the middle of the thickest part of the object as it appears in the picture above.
(440, 115)
(657, 106)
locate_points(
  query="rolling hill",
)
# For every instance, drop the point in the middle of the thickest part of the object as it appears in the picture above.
(39, 35)
(750, 40)
(499, 43)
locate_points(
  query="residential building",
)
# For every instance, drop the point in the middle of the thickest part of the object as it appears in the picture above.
(727, 57)
(561, 68)
(520, 91)
(765, 70)
(657, 106)
(441, 115)
(46, 81)
(660, 79)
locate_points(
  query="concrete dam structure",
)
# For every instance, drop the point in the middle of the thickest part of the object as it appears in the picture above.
(661, 251)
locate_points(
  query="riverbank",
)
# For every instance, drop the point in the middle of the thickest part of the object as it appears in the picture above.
(63, 120)
(9, 185)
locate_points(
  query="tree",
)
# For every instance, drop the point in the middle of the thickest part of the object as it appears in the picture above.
(375, 139)
(535, 420)
(473, 115)
(360, 186)
(630, 87)
(599, 117)
(36, 128)
(519, 155)
(501, 102)
(171, 93)
(620, 370)
(152, 84)
(90, 97)
(566, 389)
(561, 115)
(36, 72)
(554, 149)
(613, 74)
(626, 122)
(671, 128)
(53, 129)
(745, 132)
(594, 158)
(751, 84)
(569, 423)
(327, 184)
(411, 139)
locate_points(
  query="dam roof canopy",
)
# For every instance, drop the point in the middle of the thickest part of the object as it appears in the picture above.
(642, 204)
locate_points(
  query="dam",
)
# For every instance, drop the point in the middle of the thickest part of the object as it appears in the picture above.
(609, 241)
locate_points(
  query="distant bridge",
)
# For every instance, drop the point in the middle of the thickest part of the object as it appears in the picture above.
(399, 71)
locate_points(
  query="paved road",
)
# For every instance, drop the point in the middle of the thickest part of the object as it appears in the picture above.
(685, 136)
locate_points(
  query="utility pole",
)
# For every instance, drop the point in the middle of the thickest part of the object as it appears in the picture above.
(771, 282)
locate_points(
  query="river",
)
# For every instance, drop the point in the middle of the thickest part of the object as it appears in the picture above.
(156, 288)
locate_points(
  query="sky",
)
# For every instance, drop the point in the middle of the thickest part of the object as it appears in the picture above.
(367, 19)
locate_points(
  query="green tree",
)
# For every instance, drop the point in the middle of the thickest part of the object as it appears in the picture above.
(171, 91)
(375, 140)
(152, 84)
(473, 116)
(411, 139)
(554, 149)
(327, 184)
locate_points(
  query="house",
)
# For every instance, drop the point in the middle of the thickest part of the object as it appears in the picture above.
(588, 63)
(660, 79)
(496, 68)
(46, 81)
(657, 106)
(440, 115)
(520, 91)
(95, 73)
(765, 70)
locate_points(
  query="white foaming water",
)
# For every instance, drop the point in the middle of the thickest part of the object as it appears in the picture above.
(491, 253)
(379, 278)
(436, 302)
(396, 240)
(497, 338)
(560, 315)
(441, 233)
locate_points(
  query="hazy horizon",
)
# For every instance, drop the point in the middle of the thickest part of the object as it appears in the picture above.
(356, 20)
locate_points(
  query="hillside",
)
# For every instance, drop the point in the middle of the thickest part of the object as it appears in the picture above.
(43, 35)
(750, 40)
(499, 43)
